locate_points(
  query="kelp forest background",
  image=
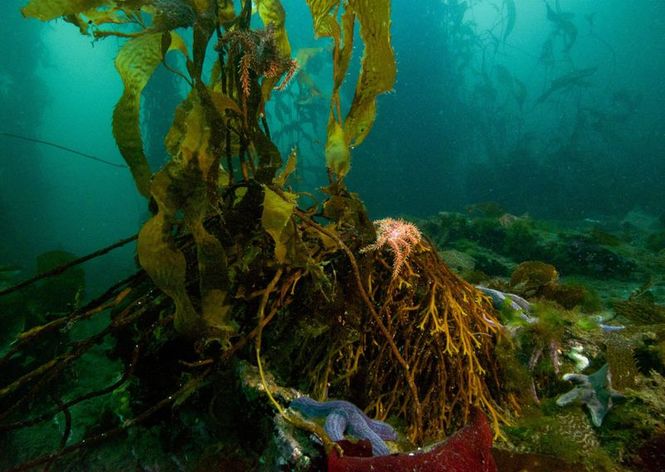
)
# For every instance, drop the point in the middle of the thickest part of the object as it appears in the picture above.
(465, 110)
(200, 209)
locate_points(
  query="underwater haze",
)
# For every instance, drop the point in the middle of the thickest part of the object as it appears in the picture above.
(58, 87)
(557, 118)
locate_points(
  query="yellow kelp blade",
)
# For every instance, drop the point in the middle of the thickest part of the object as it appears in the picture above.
(322, 15)
(185, 184)
(194, 143)
(378, 67)
(213, 283)
(167, 267)
(377, 73)
(201, 6)
(136, 62)
(289, 168)
(272, 13)
(277, 211)
(338, 156)
(326, 25)
(198, 153)
(226, 12)
(101, 17)
(343, 56)
(46, 10)
(224, 102)
(324, 12)
(193, 133)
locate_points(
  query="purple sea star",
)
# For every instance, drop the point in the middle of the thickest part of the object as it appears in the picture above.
(342, 416)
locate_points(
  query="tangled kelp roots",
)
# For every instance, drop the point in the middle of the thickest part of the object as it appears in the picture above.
(431, 365)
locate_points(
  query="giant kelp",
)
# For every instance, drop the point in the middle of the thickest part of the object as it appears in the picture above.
(237, 261)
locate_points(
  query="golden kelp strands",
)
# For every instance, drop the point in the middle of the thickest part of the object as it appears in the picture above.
(276, 216)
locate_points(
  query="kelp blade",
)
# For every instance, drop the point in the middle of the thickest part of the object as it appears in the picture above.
(378, 67)
(136, 62)
(277, 212)
(47, 10)
(377, 73)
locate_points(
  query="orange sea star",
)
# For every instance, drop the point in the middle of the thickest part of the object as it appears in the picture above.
(400, 237)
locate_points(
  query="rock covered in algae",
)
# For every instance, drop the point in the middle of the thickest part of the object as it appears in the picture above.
(565, 441)
(290, 449)
(531, 277)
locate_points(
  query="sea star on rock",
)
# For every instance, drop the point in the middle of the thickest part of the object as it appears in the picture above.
(342, 416)
(399, 235)
(594, 391)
